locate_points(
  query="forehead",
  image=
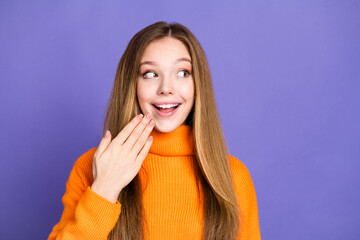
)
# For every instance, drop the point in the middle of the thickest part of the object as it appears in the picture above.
(165, 50)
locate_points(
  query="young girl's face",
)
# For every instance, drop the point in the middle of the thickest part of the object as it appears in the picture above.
(165, 87)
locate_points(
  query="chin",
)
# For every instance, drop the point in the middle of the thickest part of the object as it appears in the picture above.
(165, 128)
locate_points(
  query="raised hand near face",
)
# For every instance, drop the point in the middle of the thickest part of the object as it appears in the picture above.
(116, 162)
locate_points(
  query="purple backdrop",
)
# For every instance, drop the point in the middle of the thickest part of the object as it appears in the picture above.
(286, 77)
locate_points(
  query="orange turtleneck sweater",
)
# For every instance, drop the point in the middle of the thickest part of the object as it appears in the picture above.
(171, 203)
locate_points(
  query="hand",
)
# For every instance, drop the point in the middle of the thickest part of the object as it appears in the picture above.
(116, 162)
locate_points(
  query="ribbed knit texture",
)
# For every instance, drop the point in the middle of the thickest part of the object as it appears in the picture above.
(172, 206)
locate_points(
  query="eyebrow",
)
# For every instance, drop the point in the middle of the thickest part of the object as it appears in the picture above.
(156, 64)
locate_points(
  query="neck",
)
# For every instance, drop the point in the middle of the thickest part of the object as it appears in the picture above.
(175, 143)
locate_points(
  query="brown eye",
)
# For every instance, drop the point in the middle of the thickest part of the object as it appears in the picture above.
(150, 75)
(183, 73)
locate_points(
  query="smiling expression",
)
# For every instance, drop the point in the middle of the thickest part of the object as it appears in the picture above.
(165, 86)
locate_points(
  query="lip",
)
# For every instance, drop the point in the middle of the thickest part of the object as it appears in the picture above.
(161, 103)
(166, 114)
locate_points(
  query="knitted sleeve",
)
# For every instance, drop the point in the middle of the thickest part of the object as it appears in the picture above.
(86, 215)
(245, 192)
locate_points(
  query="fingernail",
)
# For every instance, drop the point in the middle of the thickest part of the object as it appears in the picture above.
(150, 139)
(148, 115)
(140, 116)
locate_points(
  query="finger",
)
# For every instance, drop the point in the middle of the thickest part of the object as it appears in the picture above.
(144, 151)
(94, 169)
(126, 131)
(134, 136)
(143, 137)
(104, 143)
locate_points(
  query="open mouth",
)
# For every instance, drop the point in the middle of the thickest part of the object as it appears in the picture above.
(167, 107)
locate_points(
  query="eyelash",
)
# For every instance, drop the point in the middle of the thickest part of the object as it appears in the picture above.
(187, 73)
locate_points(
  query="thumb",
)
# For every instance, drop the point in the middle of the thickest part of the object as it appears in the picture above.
(104, 143)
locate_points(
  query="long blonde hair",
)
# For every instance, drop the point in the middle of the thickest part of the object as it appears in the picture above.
(221, 213)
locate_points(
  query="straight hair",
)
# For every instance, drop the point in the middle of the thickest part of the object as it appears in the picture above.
(211, 168)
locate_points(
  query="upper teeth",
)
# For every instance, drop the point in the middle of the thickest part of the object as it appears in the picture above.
(167, 105)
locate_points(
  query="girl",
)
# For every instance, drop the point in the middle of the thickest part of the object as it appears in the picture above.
(162, 170)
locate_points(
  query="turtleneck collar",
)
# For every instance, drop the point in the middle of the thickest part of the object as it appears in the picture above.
(176, 143)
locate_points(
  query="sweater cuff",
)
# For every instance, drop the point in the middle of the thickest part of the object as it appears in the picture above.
(102, 213)
(101, 198)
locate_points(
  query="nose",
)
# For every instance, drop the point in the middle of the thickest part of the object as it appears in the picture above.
(166, 86)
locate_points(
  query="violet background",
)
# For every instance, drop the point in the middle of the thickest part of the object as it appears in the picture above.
(286, 77)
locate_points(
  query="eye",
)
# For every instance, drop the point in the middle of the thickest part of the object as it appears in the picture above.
(150, 75)
(183, 73)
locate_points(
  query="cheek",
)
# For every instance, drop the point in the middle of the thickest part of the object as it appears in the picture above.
(142, 92)
(145, 94)
(141, 96)
(188, 91)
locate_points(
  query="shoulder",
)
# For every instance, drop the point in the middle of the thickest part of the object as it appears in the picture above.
(238, 169)
(241, 177)
(85, 158)
(245, 193)
(81, 174)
